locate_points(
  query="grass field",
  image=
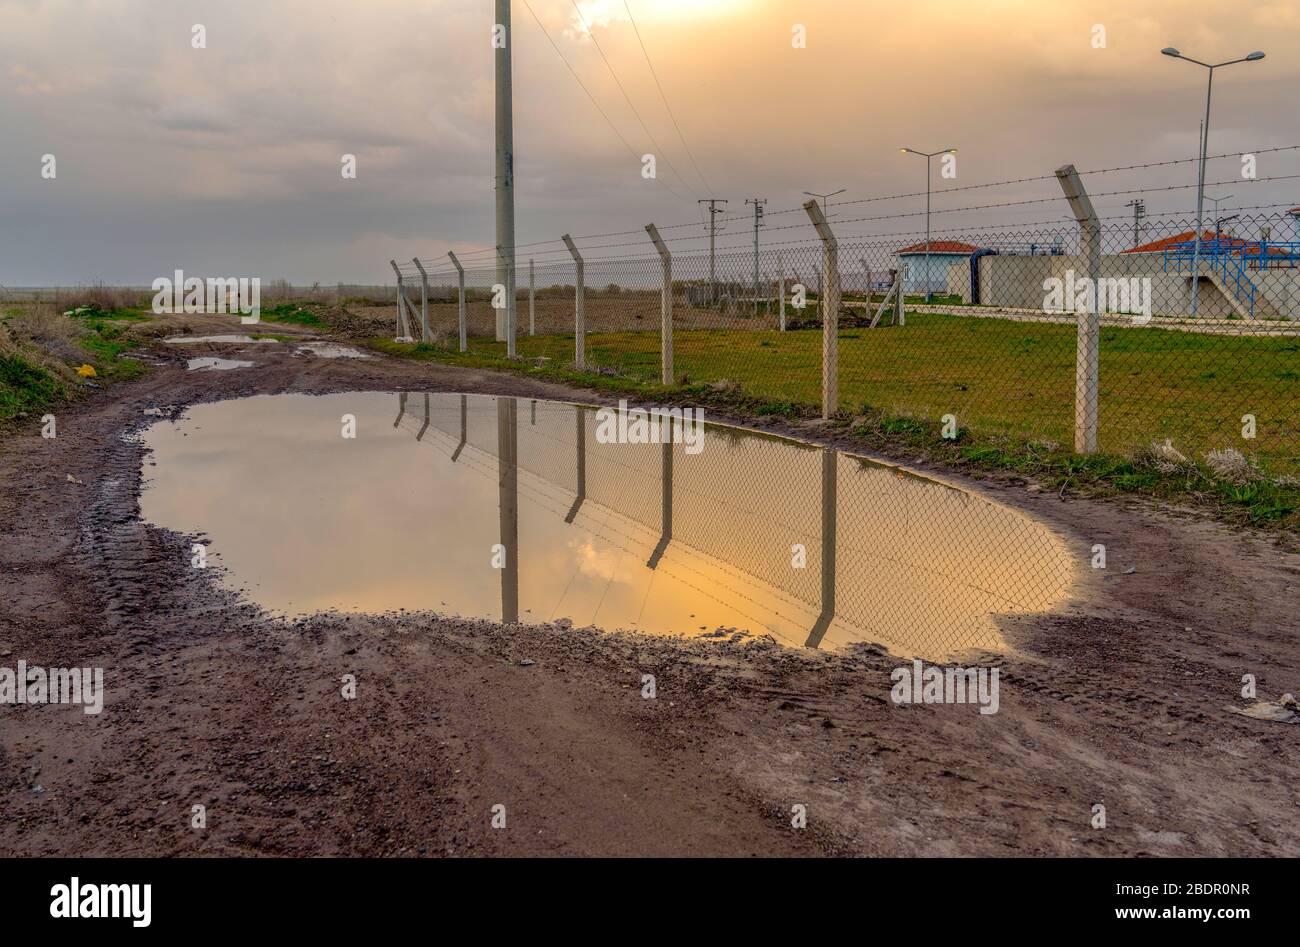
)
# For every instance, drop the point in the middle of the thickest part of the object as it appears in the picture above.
(999, 377)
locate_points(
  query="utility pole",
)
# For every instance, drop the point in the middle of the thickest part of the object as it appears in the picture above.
(505, 175)
(1139, 211)
(713, 203)
(758, 222)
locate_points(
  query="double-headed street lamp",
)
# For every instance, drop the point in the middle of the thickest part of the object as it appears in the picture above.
(927, 155)
(1205, 140)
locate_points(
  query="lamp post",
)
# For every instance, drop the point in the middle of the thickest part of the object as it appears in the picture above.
(1215, 218)
(927, 155)
(1205, 140)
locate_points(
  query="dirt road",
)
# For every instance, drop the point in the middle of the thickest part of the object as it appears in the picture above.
(1118, 700)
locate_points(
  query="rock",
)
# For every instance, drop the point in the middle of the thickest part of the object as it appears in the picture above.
(527, 663)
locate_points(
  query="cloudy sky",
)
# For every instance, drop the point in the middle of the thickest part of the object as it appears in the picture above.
(226, 160)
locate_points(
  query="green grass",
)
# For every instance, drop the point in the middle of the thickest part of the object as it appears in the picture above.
(106, 338)
(296, 313)
(26, 387)
(1010, 384)
(999, 377)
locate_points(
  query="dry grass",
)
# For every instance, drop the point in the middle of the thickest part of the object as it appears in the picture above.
(49, 330)
(98, 296)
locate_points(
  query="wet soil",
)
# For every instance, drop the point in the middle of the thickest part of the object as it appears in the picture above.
(1118, 699)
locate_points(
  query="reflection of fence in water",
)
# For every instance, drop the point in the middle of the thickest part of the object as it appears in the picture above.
(900, 558)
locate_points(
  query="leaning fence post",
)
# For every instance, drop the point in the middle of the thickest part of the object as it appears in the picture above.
(579, 311)
(1086, 358)
(781, 257)
(532, 302)
(424, 300)
(665, 306)
(830, 310)
(403, 323)
(460, 273)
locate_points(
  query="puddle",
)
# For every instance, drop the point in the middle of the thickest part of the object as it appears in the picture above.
(215, 364)
(753, 533)
(195, 339)
(328, 350)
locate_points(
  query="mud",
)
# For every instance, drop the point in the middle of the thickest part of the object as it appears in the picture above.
(1118, 698)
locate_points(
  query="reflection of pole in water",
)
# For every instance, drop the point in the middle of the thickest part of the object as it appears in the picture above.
(424, 427)
(830, 502)
(464, 429)
(508, 482)
(666, 493)
(580, 442)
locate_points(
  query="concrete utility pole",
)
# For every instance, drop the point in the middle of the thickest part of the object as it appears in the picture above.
(1139, 211)
(505, 175)
(758, 222)
(713, 203)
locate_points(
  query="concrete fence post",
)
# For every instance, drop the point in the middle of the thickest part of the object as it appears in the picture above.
(665, 306)
(781, 257)
(532, 301)
(425, 335)
(830, 301)
(460, 320)
(1088, 345)
(403, 321)
(579, 307)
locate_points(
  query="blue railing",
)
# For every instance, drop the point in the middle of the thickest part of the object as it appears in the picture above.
(1221, 257)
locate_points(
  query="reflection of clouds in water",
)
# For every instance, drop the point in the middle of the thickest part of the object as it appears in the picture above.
(599, 563)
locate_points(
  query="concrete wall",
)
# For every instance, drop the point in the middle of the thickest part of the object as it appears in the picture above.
(1017, 282)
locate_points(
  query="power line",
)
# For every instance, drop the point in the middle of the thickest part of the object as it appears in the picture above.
(745, 217)
(660, 87)
(628, 99)
(574, 73)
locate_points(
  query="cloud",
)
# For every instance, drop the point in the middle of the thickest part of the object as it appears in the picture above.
(231, 154)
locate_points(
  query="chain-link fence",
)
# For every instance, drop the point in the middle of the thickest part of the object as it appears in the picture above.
(1197, 341)
(820, 548)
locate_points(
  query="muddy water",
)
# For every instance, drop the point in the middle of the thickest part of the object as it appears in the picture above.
(514, 510)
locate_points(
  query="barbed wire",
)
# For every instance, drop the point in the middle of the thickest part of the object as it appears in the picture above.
(477, 255)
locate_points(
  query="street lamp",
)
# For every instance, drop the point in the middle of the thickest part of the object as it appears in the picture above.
(927, 155)
(824, 197)
(1216, 200)
(1205, 140)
